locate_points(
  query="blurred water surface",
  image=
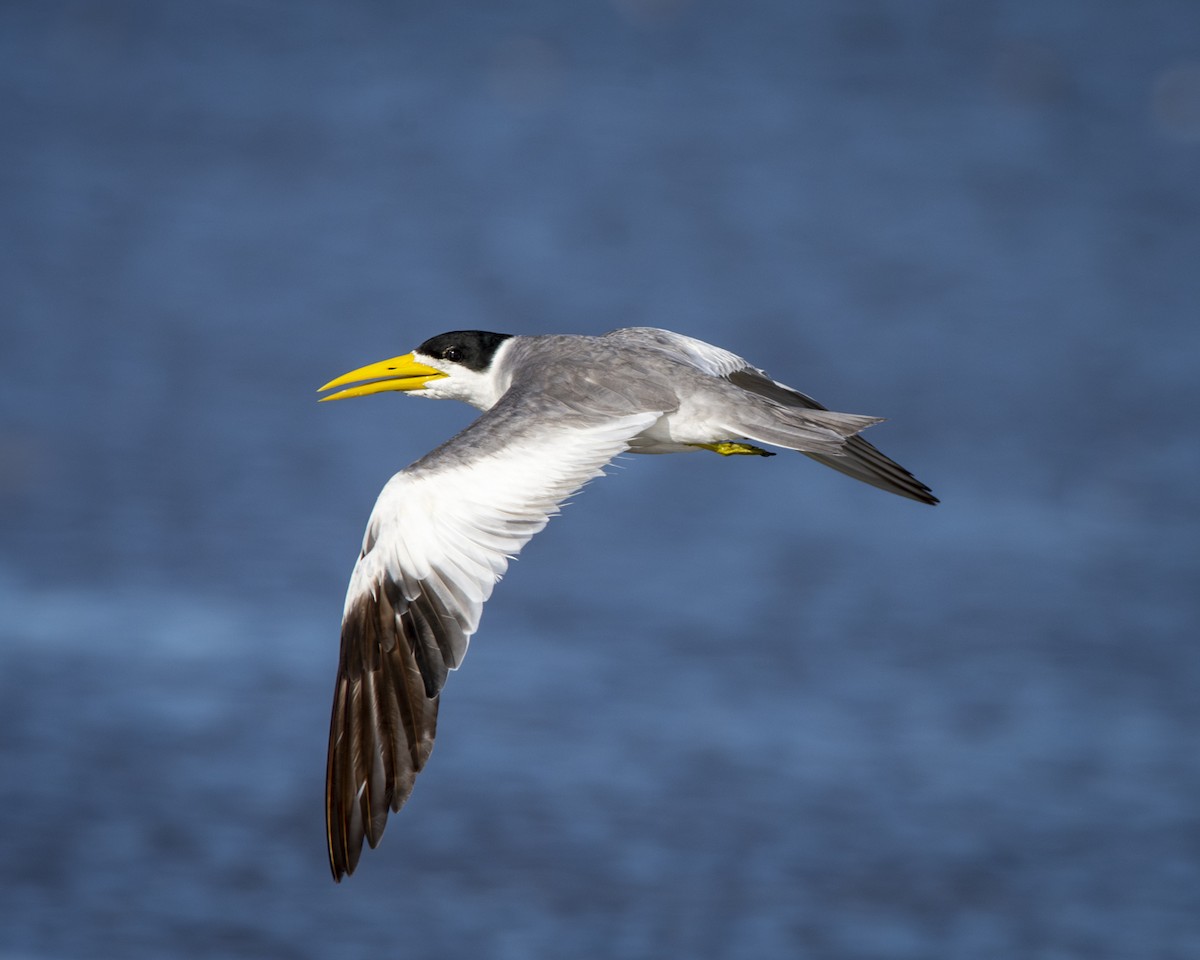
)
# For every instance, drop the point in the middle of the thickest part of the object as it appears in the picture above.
(721, 708)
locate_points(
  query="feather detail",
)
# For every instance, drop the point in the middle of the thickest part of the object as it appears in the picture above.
(439, 538)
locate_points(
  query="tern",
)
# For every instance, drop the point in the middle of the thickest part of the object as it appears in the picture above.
(557, 409)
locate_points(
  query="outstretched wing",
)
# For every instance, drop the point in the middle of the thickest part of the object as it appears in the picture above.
(440, 536)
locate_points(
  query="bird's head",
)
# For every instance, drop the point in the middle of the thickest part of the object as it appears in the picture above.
(451, 366)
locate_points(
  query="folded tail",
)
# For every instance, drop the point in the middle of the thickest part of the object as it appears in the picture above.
(797, 422)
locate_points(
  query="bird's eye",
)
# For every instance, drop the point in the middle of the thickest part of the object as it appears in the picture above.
(453, 354)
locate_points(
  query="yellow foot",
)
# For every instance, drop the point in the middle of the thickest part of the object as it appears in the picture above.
(728, 448)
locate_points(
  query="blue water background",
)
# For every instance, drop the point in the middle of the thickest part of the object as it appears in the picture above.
(726, 708)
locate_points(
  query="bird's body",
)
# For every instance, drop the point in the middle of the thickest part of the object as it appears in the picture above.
(557, 409)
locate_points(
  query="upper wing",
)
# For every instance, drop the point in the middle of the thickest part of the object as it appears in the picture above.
(712, 360)
(440, 536)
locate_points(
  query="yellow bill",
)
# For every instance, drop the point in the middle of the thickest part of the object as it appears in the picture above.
(399, 373)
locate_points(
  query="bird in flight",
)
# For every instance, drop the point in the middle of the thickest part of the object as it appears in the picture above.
(557, 409)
